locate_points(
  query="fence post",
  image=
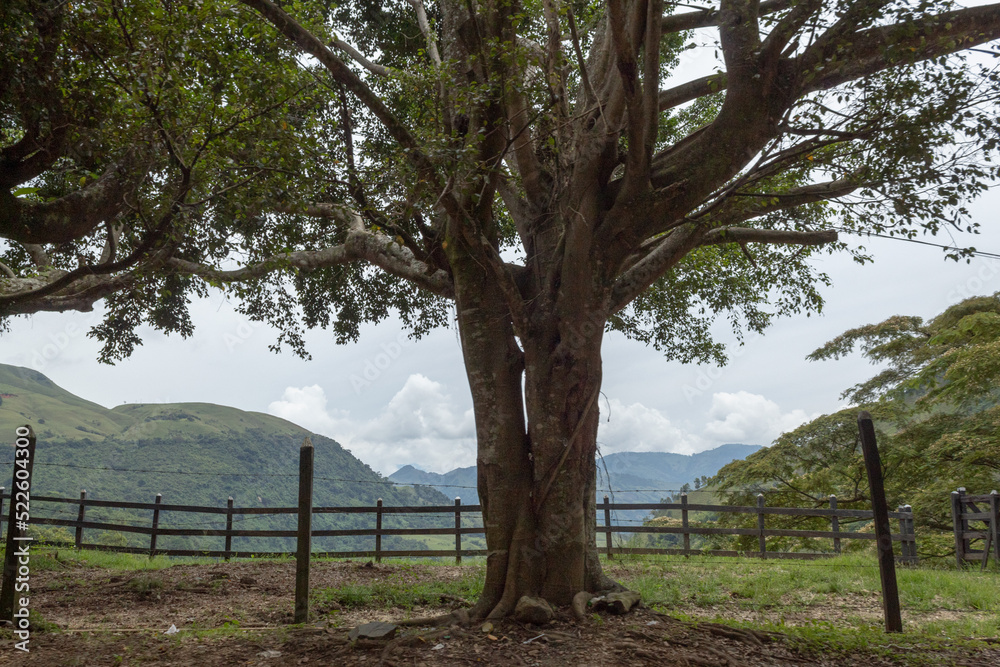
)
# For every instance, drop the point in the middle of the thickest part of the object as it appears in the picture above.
(1, 505)
(378, 531)
(904, 544)
(762, 543)
(156, 525)
(684, 523)
(956, 521)
(835, 523)
(304, 532)
(78, 538)
(607, 527)
(458, 530)
(880, 516)
(994, 527)
(229, 528)
(911, 531)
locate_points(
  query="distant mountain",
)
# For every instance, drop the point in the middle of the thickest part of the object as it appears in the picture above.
(459, 483)
(194, 454)
(663, 470)
(631, 477)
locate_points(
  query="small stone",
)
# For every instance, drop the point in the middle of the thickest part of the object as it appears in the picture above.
(270, 654)
(373, 630)
(487, 627)
(533, 610)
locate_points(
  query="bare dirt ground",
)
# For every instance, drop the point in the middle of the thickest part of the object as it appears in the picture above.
(239, 614)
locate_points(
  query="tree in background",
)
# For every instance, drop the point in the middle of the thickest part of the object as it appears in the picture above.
(534, 166)
(937, 409)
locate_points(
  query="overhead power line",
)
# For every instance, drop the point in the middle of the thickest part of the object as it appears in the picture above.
(969, 251)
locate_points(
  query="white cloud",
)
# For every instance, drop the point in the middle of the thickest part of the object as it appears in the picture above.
(749, 418)
(420, 425)
(425, 426)
(637, 428)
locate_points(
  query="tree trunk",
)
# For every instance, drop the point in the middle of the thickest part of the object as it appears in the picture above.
(536, 483)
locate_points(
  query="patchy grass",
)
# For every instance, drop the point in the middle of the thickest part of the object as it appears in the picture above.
(835, 603)
(402, 590)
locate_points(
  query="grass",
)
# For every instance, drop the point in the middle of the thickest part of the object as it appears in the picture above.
(402, 589)
(819, 603)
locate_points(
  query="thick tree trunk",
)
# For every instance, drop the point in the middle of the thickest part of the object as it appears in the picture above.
(536, 483)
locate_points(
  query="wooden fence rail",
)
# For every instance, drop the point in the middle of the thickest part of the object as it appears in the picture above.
(155, 530)
(965, 511)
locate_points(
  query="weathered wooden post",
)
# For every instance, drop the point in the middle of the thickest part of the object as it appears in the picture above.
(155, 526)
(904, 546)
(1, 505)
(607, 526)
(762, 542)
(17, 522)
(835, 524)
(304, 544)
(956, 521)
(80, 514)
(883, 534)
(684, 524)
(229, 528)
(994, 529)
(378, 531)
(911, 531)
(458, 530)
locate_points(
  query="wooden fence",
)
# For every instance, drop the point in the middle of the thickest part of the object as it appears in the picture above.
(905, 536)
(965, 511)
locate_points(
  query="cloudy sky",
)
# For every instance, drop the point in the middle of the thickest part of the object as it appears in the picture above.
(393, 401)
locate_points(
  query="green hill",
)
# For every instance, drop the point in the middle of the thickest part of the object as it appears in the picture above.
(192, 454)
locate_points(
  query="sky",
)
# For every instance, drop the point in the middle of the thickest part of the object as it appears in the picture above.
(393, 401)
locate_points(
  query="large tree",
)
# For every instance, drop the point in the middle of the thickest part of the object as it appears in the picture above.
(552, 169)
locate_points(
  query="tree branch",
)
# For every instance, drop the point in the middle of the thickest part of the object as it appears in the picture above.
(359, 58)
(780, 236)
(425, 28)
(662, 257)
(72, 216)
(707, 18)
(692, 90)
(310, 44)
(360, 244)
(869, 51)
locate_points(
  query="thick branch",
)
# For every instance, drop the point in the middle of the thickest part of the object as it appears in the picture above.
(360, 244)
(692, 90)
(359, 58)
(779, 236)
(70, 217)
(660, 259)
(870, 51)
(739, 207)
(425, 28)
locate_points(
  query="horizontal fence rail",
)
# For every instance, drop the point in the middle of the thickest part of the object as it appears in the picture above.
(905, 536)
(154, 530)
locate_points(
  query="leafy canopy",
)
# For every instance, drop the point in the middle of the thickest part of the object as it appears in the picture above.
(328, 164)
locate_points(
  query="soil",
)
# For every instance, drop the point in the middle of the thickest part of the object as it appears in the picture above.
(240, 613)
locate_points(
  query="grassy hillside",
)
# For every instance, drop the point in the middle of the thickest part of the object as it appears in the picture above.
(192, 454)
